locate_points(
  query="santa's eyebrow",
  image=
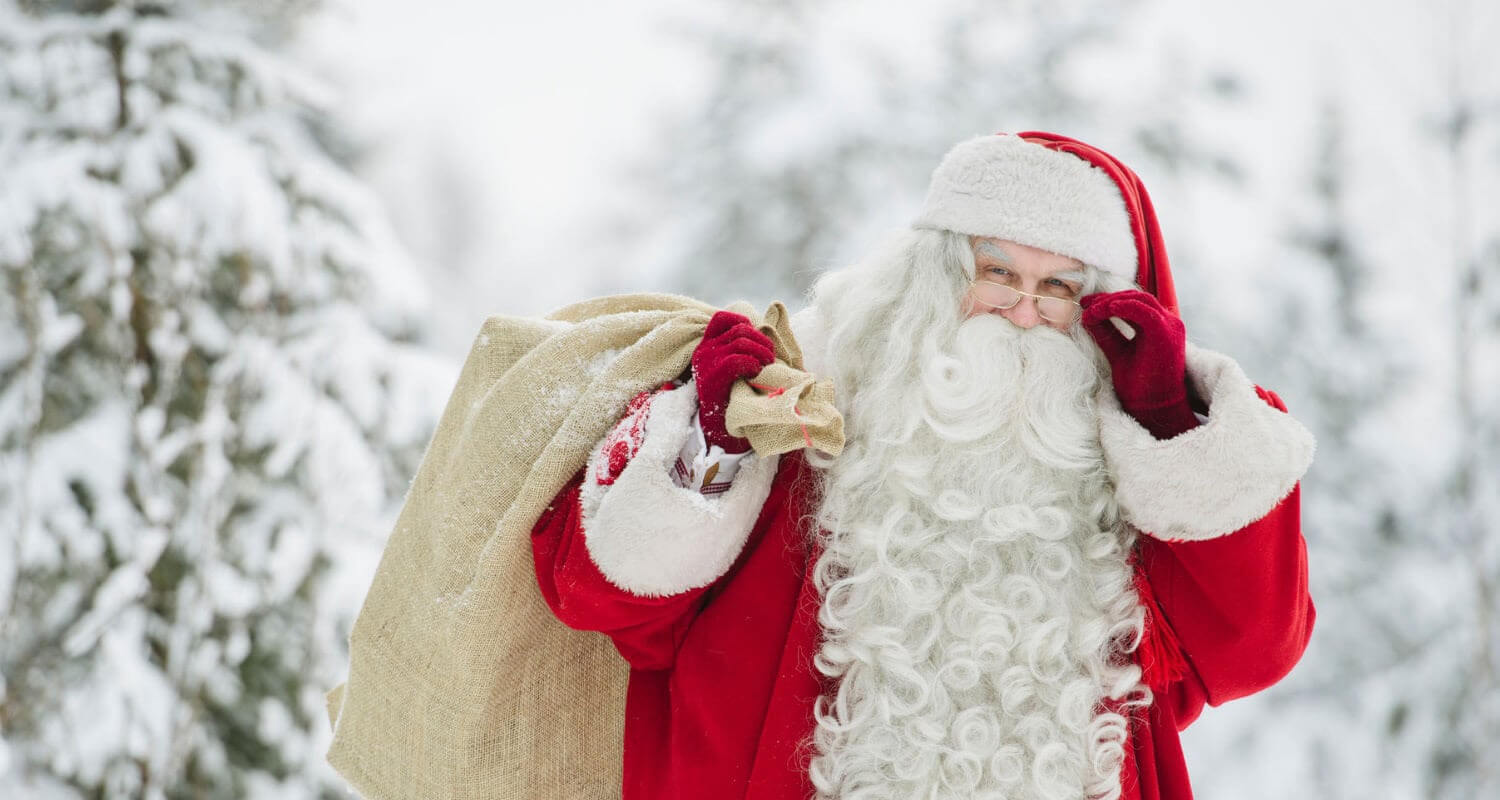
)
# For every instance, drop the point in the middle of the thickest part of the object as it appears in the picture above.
(1072, 275)
(993, 251)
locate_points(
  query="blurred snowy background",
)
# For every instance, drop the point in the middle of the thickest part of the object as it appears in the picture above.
(245, 243)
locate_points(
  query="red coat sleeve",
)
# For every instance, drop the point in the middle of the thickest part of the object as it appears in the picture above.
(640, 562)
(646, 630)
(1237, 604)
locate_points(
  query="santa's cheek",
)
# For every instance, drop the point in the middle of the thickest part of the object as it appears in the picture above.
(969, 308)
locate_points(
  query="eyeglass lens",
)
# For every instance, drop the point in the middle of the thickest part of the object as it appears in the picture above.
(1055, 309)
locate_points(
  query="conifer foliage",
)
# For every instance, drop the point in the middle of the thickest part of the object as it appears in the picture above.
(213, 392)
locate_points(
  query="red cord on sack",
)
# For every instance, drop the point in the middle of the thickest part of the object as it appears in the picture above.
(777, 391)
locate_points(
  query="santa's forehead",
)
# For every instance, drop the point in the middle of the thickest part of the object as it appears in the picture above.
(1005, 249)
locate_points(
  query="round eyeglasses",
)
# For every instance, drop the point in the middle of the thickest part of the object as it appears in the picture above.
(1053, 309)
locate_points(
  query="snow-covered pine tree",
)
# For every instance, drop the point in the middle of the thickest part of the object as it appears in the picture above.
(820, 123)
(213, 392)
(1462, 753)
(1397, 694)
(1342, 373)
(1400, 694)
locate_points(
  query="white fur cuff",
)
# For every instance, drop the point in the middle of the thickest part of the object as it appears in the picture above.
(652, 538)
(1214, 479)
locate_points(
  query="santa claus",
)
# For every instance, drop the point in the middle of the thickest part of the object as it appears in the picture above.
(1056, 532)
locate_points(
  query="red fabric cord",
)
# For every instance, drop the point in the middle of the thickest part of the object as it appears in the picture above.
(777, 391)
(1159, 653)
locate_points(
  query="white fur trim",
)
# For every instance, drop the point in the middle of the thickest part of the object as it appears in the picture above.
(653, 538)
(1214, 479)
(1007, 187)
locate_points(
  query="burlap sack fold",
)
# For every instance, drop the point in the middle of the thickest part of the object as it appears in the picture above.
(462, 685)
(759, 409)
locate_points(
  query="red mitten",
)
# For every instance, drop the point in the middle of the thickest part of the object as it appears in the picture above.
(731, 349)
(1149, 368)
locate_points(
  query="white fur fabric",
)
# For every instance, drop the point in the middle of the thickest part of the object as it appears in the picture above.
(1214, 479)
(652, 538)
(1007, 187)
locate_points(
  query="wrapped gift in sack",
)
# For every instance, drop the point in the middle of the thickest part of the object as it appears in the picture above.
(462, 685)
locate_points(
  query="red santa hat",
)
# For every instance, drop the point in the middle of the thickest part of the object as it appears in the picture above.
(1059, 194)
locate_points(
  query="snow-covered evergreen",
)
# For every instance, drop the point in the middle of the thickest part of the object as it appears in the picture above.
(1343, 375)
(1402, 697)
(1395, 363)
(213, 392)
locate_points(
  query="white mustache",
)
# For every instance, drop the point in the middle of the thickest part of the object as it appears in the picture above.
(994, 373)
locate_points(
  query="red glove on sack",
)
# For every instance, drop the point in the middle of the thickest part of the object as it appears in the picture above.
(731, 349)
(1149, 371)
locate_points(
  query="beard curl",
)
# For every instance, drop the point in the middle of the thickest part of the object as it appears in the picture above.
(977, 603)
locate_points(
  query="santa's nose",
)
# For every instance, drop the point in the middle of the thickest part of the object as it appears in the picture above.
(1023, 314)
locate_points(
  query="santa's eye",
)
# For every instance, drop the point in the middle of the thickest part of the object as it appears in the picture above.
(1061, 285)
(997, 271)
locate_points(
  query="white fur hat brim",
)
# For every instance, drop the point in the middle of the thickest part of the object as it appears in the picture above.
(1009, 188)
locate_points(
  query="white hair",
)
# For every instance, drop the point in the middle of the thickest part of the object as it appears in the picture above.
(978, 607)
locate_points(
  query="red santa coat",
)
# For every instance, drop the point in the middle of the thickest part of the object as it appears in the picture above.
(715, 610)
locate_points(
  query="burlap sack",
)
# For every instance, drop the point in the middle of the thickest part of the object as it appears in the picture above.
(462, 685)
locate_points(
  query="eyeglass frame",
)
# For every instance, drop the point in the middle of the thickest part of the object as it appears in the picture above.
(1038, 297)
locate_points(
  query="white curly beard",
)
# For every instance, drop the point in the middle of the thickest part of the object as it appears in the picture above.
(977, 598)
